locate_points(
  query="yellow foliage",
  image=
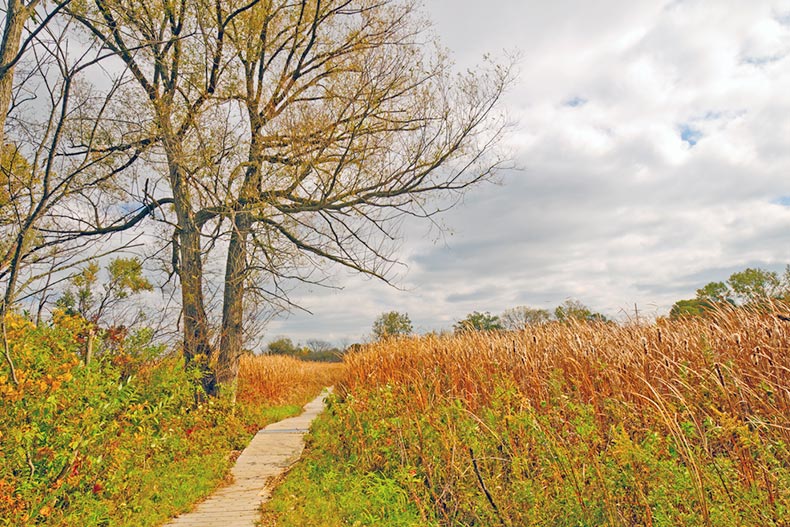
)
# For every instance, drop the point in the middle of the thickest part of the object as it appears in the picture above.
(88, 276)
(15, 173)
(16, 326)
(9, 392)
(73, 323)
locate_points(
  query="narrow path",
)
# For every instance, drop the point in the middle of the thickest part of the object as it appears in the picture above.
(271, 451)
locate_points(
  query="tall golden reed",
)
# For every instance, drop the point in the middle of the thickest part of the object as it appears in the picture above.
(277, 378)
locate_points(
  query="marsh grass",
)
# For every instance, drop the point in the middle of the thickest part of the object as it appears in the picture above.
(673, 423)
(278, 378)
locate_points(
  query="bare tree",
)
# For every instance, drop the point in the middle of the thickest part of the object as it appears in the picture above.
(294, 135)
(520, 317)
(174, 52)
(351, 126)
(318, 346)
(61, 149)
(14, 44)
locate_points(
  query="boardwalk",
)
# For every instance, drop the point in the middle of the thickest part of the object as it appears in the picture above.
(270, 452)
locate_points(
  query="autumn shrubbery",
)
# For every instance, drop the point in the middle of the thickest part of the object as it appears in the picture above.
(675, 423)
(120, 441)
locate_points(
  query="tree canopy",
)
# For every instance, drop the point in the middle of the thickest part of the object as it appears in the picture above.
(522, 316)
(283, 346)
(751, 287)
(275, 140)
(391, 324)
(477, 321)
(574, 310)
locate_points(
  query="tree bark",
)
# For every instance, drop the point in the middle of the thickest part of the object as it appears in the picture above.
(232, 335)
(232, 338)
(197, 347)
(16, 15)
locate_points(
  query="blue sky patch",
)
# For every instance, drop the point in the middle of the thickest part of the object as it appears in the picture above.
(762, 60)
(783, 201)
(575, 102)
(689, 134)
(712, 116)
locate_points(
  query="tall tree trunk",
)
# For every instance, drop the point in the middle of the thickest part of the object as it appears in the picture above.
(232, 339)
(17, 13)
(197, 347)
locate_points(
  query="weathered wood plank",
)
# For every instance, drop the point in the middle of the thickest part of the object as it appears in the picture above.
(270, 452)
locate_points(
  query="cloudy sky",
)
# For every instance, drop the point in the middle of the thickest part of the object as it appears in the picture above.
(653, 146)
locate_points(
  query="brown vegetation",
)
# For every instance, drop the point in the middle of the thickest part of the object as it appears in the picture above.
(277, 379)
(677, 422)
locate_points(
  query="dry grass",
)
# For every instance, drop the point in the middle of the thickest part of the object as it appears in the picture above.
(679, 421)
(738, 363)
(278, 379)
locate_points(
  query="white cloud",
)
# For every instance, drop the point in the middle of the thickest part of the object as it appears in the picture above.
(654, 140)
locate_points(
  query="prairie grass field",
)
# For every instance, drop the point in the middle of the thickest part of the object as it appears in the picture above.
(211, 211)
(681, 422)
(122, 441)
(278, 379)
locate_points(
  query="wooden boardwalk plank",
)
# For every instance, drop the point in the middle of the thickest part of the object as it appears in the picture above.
(271, 451)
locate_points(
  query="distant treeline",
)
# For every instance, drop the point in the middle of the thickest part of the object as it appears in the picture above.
(751, 288)
(313, 350)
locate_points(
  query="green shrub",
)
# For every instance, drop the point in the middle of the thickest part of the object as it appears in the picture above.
(117, 442)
